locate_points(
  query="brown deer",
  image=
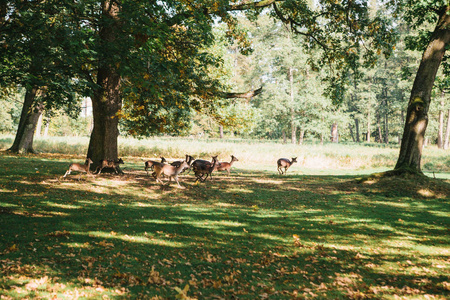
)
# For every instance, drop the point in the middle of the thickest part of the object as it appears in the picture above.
(170, 171)
(106, 163)
(189, 160)
(151, 163)
(203, 167)
(285, 163)
(80, 168)
(226, 166)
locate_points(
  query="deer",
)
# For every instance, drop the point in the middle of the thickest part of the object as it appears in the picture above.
(203, 167)
(151, 164)
(106, 163)
(226, 166)
(80, 168)
(285, 163)
(170, 171)
(189, 160)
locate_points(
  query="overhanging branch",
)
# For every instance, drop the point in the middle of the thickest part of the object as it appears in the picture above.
(245, 95)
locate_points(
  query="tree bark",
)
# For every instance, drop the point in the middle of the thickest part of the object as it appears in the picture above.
(380, 135)
(447, 132)
(293, 126)
(106, 101)
(31, 111)
(417, 113)
(368, 124)
(440, 142)
(358, 140)
(334, 133)
(350, 128)
(302, 136)
(221, 131)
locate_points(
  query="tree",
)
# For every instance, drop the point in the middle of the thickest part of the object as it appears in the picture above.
(31, 57)
(420, 98)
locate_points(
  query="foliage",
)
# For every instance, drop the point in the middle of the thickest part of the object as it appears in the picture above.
(34, 40)
(234, 237)
(10, 113)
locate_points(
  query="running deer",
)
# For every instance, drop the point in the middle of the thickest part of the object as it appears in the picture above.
(80, 168)
(170, 171)
(226, 166)
(285, 163)
(203, 167)
(106, 163)
(151, 163)
(189, 160)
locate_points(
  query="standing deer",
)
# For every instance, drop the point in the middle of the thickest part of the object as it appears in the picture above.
(80, 168)
(170, 171)
(203, 167)
(285, 163)
(226, 166)
(151, 163)
(105, 163)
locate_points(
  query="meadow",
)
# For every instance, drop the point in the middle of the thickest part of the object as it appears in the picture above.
(326, 230)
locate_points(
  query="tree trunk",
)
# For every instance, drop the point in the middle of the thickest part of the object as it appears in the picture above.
(293, 126)
(284, 137)
(334, 133)
(440, 143)
(386, 121)
(419, 102)
(447, 132)
(368, 125)
(31, 111)
(380, 135)
(302, 136)
(40, 121)
(358, 140)
(221, 131)
(106, 101)
(350, 128)
(47, 125)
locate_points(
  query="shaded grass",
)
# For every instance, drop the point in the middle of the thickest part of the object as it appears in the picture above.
(253, 235)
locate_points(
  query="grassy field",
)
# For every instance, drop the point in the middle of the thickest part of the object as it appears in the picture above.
(319, 232)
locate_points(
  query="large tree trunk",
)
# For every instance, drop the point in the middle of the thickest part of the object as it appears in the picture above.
(358, 140)
(417, 114)
(31, 111)
(106, 101)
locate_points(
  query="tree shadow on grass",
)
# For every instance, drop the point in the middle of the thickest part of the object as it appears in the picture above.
(245, 236)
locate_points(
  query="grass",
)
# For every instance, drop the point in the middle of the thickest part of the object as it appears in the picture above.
(315, 233)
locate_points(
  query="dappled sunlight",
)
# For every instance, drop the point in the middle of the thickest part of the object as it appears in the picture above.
(426, 193)
(124, 236)
(60, 205)
(109, 239)
(223, 204)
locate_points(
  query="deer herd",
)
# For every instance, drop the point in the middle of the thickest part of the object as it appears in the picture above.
(202, 168)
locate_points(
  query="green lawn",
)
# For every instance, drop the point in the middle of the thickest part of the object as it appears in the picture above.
(253, 235)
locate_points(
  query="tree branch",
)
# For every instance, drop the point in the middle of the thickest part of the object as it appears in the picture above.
(247, 4)
(246, 95)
